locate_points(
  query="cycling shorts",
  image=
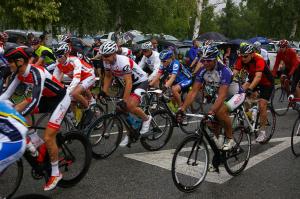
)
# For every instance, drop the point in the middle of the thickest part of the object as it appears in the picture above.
(235, 101)
(264, 92)
(184, 84)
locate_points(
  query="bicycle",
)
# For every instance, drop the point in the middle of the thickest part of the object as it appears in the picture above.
(193, 153)
(295, 136)
(74, 149)
(106, 132)
(243, 117)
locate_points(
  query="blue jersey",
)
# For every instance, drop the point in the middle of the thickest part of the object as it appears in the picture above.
(178, 69)
(220, 75)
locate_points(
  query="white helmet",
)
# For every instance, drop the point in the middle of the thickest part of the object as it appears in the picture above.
(147, 45)
(107, 48)
(62, 49)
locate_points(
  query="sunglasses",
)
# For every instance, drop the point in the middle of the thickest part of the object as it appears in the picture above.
(59, 56)
(207, 60)
(245, 56)
(107, 56)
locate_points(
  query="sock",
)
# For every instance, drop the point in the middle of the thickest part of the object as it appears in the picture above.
(54, 169)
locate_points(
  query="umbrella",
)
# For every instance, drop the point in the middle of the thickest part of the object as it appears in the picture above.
(262, 40)
(212, 36)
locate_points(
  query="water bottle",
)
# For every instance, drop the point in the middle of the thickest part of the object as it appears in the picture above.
(134, 121)
(31, 148)
(254, 113)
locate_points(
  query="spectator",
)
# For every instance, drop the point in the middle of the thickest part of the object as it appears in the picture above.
(193, 51)
(154, 44)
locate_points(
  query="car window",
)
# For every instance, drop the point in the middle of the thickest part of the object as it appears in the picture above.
(104, 36)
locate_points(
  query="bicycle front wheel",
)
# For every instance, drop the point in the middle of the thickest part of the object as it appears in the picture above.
(279, 102)
(237, 158)
(75, 157)
(190, 163)
(10, 179)
(295, 138)
(105, 134)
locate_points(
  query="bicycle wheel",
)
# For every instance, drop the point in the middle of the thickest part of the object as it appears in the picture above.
(74, 157)
(160, 131)
(105, 134)
(270, 126)
(279, 102)
(237, 159)
(190, 163)
(10, 179)
(295, 138)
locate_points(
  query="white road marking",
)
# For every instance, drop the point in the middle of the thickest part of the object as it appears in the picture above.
(163, 159)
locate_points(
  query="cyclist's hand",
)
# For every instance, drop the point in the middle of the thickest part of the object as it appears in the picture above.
(179, 116)
(211, 116)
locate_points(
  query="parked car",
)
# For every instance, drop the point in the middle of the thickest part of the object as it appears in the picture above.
(20, 36)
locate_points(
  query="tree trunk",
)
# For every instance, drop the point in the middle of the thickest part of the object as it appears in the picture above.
(198, 19)
(294, 29)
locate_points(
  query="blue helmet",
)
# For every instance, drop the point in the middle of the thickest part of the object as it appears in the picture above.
(165, 54)
(210, 52)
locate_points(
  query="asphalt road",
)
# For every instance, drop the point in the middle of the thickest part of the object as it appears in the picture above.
(272, 172)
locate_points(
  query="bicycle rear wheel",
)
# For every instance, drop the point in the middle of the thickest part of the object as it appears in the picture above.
(74, 157)
(238, 157)
(295, 138)
(105, 134)
(190, 163)
(279, 102)
(160, 131)
(10, 179)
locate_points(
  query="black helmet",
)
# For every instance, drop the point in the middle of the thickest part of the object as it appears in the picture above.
(13, 53)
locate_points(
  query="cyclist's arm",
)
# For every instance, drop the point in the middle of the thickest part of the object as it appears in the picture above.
(194, 62)
(11, 89)
(128, 86)
(191, 95)
(76, 75)
(256, 80)
(169, 83)
(295, 64)
(142, 63)
(198, 66)
(38, 85)
(155, 69)
(155, 79)
(107, 81)
(58, 74)
(276, 65)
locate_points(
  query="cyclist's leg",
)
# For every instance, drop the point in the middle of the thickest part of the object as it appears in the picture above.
(176, 89)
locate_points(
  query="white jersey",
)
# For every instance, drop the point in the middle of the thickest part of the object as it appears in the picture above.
(153, 63)
(124, 65)
(264, 54)
(126, 51)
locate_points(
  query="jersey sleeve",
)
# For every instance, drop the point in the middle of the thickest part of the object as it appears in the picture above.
(175, 68)
(155, 69)
(57, 72)
(11, 89)
(142, 62)
(76, 75)
(238, 64)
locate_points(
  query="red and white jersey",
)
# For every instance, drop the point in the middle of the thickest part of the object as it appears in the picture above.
(126, 51)
(124, 65)
(42, 83)
(77, 69)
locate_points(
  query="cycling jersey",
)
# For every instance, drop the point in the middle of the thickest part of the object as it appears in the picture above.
(43, 84)
(78, 70)
(257, 64)
(13, 129)
(153, 63)
(220, 75)
(45, 53)
(126, 51)
(182, 74)
(290, 59)
(124, 65)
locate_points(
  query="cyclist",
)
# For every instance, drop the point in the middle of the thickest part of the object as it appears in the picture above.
(42, 56)
(259, 50)
(260, 80)
(48, 95)
(217, 77)
(81, 73)
(136, 82)
(179, 77)
(292, 64)
(4, 69)
(13, 129)
(150, 60)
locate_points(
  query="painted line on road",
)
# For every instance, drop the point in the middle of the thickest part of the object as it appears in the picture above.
(163, 159)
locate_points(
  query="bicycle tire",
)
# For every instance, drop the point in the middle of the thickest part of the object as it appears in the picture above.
(149, 142)
(70, 138)
(296, 138)
(240, 137)
(180, 184)
(101, 125)
(279, 96)
(10, 192)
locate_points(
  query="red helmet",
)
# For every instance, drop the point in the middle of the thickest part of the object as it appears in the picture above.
(14, 53)
(3, 36)
(283, 43)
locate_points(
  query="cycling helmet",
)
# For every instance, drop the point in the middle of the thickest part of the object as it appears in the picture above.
(13, 53)
(35, 41)
(246, 49)
(108, 47)
(147, 45)
(210, 52)
(97, 38)
(62, 49)
(165, 54)
(257, 46)
(66, 38)
(283, 43)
